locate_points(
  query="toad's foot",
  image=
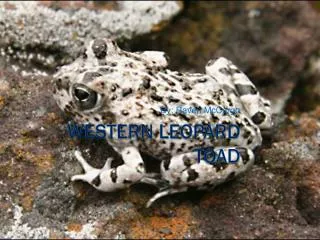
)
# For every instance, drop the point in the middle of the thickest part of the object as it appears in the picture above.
(109, 179)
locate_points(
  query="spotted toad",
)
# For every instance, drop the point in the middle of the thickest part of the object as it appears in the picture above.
(109, 85)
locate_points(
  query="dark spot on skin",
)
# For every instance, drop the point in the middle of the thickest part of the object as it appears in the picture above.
(113, 97)
(225, 71)
(126, 91)
(240, 124)
(146, 82)
(107, 117)
(215, 95)
(156, 97)
(84, 55)
(150, 72)
(184, 116)
(104, 69)
(96, 181)
(96, 119)
(205, 122)
(99, 48)
(245, 89)
(113, 175)
(246, 134)
(258, 118)
(63, 83)
(113, 87)
(249, 141)
(171, 83)
(156, 113)
(137, 58)
(166, 163)
(128, 152)
(209, 102)
(235, 70)
(246, 121)
(125, 112)
(140, 167)
(172, 145)
(139, 104)
(229, 71)
(192, 175)
(187, 161)
(156, 133)
(131, 65)
(211, 62)
(90, 76)
(175, 77)
(215, 118)
(179, 150)
(172, 99)
(68, 107)
(114, 64)
(126, 181)
(244, 154)
(202, 80)
(186, 87)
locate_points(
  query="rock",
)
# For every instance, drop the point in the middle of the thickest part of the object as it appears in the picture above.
(51, 34)
(165, 231)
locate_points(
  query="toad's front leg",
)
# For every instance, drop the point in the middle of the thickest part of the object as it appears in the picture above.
(109, 179)
(185, 170)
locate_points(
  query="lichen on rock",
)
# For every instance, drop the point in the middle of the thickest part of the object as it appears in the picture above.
(34, 32)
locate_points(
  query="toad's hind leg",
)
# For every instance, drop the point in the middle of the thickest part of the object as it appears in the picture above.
(234, 80)
(109, 179)
(184, 171)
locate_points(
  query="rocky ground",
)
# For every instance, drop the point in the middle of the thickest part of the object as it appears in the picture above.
(276, 43)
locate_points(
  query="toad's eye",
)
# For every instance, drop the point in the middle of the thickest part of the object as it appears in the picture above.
(85, 97)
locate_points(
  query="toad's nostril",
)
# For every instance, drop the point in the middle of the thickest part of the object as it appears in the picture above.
(62, 83)
(99, 48)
